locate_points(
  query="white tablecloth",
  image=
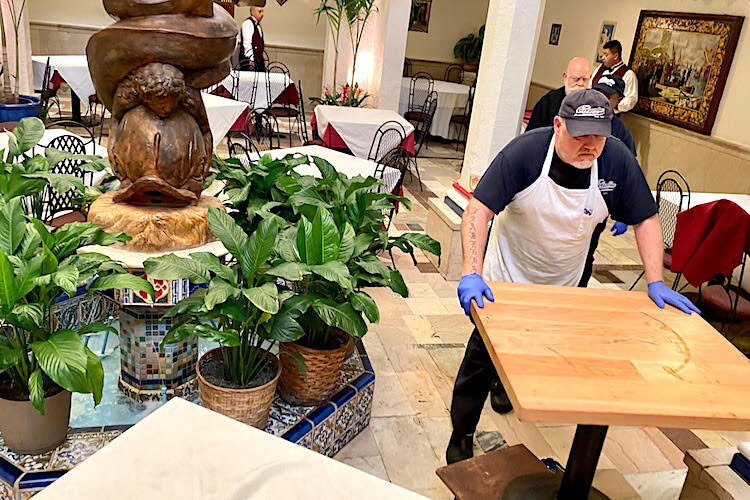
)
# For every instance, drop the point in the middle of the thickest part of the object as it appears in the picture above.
(351, 166)
(183, 451)
(279, 83)
(357, 126)
(222, 113)
(73, 69)
(452, 99)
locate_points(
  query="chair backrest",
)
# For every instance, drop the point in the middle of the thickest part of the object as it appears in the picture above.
(399, 159)
(672, 197)
(78, 128)
(470, 101)
(243, 151)
(302, 116)
(275, 86)
(389, 136)
(420, 87)
(454, 73)
(407, 67)
(54, 201)
(423, 127)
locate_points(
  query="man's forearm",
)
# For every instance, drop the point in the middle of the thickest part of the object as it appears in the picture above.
(650, 242)
(474, 237)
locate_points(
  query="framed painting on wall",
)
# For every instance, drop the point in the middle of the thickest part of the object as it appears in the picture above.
(682, 62)
(554, 34)
(420, 15)
(605, 35)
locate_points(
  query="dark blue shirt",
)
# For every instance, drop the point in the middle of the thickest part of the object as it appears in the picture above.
(621, 131)
(519, 164)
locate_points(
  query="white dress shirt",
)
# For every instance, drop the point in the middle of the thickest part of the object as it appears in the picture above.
(248, 30)
(631, 87)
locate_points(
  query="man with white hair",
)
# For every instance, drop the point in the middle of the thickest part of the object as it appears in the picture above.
(577, 76)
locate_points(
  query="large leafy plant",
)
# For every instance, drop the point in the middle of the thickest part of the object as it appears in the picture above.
(243, 308)
(469, 48)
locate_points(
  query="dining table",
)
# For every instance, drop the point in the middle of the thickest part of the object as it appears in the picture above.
(597, 358)
(184, 451)
(73, 70)
(452, 98)
(354, 129)
(282, 88)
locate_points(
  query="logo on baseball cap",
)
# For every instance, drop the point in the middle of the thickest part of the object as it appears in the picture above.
(610, 84)
(586, 112)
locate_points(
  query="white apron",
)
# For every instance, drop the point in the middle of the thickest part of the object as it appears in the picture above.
(544, 233)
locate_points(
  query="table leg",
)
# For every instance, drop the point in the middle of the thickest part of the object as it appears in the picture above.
(75, 103)
(582, 461)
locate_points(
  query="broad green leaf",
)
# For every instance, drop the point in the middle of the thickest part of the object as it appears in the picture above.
(363, 302)
(8, 291)
(231, 235)
(30, 242)
(114, 281)
(396, 283)
(50, 262)
(234, 309)
(94, 375)
(292, 271)
(304, 231)
(219, 291)
(308, 196)
(299, 304)
(260, 246)
(327, 171)
(62, 183)
(213, 264)
(191, 304)
(265, 298)
(36, 390)
(27, 316)
(90, 162)
(334, 271)
(346, 251)
(285, 328)
(423, 242)
(324, 241)
(27, 134)
(238, 195)
(67, 279)
(361, 243)
(228, 337)
(97, 327)
(342, 316)
(373, 265)
(172, 267)
(9, 355)
(63, 358)
(12, 225)
(177, 334)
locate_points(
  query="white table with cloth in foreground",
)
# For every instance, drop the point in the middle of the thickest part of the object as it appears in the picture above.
(452, 99)
(357, 127)
(351, 166)
(182, 451)
(222, 113)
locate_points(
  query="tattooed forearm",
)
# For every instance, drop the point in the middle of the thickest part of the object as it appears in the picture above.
(472, 250)
(474, 236)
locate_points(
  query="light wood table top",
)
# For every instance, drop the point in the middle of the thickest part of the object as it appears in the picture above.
(608, 357)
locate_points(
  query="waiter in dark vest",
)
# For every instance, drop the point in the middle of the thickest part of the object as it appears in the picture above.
(252, 44)
(612, 65)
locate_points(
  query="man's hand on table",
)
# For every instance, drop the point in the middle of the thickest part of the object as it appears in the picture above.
(661, 294)
(472, 287)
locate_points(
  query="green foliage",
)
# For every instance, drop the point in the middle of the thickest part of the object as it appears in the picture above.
(243, 308)
(469, 48)
(347, 95)
(37, 265)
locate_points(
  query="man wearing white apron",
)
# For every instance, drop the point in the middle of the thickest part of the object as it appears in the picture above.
(549, 188)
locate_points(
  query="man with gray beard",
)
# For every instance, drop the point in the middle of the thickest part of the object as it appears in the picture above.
(577, 76)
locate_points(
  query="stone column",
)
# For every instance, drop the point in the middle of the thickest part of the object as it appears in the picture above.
(508, 53)
(380, 57)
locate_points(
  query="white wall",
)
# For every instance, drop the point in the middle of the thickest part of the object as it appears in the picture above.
(290, 25)
(450, 20)
(79, 12)
(581, 23)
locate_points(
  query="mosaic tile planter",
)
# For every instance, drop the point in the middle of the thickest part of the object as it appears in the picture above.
(325, 429)
(84, 309)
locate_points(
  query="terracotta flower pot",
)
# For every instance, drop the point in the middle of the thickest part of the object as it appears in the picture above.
(28, 432)
(249, 406)
(322, 371)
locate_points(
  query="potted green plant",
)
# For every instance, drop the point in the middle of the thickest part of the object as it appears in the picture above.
(242, 309)
(469, 50)
(14, 106)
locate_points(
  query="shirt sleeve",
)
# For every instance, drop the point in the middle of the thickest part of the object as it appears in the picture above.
(248, 29)
(631, 92)
(631, 199)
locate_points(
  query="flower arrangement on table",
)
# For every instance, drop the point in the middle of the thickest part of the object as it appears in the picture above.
(346, 95)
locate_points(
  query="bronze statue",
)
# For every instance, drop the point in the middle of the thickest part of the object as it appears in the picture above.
(147, 69)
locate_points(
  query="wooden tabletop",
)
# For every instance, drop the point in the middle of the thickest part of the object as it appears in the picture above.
(609, 357)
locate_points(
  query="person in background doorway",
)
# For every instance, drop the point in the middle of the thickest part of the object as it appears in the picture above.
(577, 76)
(613, 65)
(252, 43)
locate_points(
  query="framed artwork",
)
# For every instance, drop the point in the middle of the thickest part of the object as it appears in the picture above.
(420, 15)
(606, 34)
(682, 62)
(554, 34)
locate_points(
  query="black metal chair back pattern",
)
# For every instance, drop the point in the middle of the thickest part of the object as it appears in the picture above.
(388, 137)
(53, 201)
(672, 197)
(454, 73)
(290, 111)
(235, 90)
(407, 68)
(420, 88)
(422, 128)
(400, 160)
(241, 152)
(463, 120)
(78, 128)
(274, 87)
(243, 140)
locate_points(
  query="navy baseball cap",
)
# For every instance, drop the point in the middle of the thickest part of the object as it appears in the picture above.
(610, 84)
(586, 112)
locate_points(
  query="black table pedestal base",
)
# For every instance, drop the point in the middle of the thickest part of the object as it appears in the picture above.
(544, 486)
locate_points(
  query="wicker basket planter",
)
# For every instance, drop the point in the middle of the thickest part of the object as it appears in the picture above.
(323, 367)
(250, 406)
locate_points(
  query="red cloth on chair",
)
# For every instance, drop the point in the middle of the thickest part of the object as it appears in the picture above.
(333, 140)
(710, 239)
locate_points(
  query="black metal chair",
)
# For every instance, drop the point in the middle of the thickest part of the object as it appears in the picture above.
(243, 151)
(725, 301)
(454, 73)
(399, 159)
(420, 88)
(290, 111)
(388, 137)
(48, 93)
(77, 128)
(306, 141)
(672, 197)
(62, 208)
(422, 132)
(461, 121)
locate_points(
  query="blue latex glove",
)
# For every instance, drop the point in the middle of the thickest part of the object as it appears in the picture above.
(661, 294)
(472, 287)
(618, 228)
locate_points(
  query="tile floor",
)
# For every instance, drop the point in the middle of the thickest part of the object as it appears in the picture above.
(416, 350)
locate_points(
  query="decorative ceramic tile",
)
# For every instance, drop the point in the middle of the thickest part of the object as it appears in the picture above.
(76, 450)
(6, 491)
(345, 417)
(323, 433)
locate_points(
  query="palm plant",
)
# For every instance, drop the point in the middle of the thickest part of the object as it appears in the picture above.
(16, 13)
